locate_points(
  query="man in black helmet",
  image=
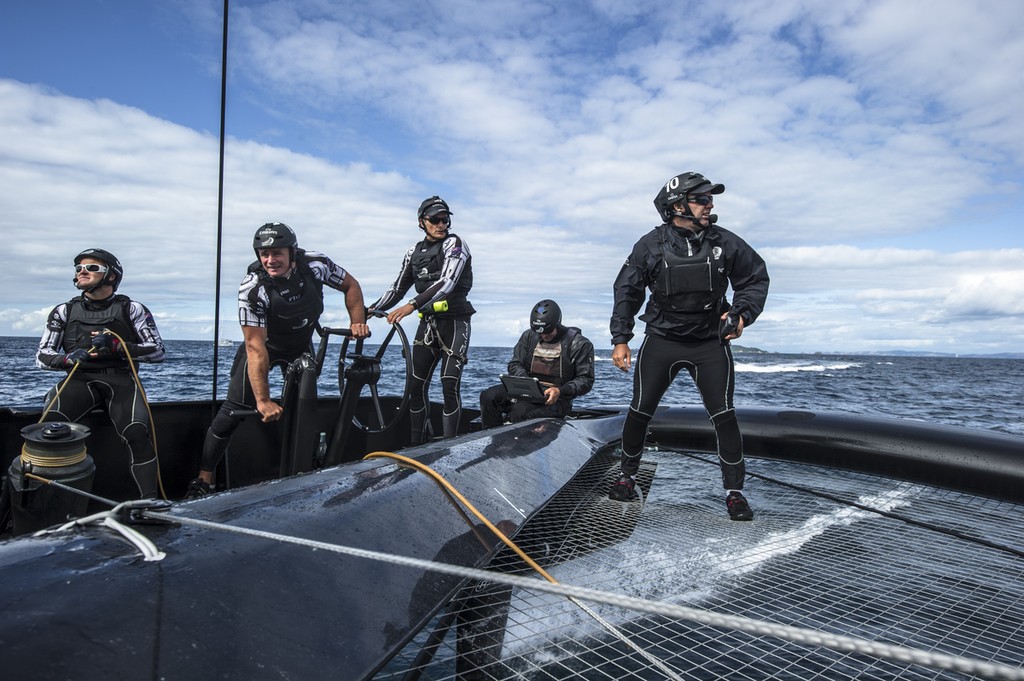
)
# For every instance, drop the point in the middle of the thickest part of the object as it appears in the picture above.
(91, 337)
(688, 263)
(441, 269)
(280, 302)
(560, 357)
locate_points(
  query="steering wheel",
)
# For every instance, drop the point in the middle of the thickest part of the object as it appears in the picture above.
(368, 370)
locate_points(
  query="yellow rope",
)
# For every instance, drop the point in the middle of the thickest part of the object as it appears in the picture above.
(472, 509)
(47, 461)
(59, 390)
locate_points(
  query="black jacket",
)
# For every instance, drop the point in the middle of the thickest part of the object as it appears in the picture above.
(577, 360)
(744, 268)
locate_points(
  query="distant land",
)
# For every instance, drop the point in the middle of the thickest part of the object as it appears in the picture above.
(742, 350)
(739, 350)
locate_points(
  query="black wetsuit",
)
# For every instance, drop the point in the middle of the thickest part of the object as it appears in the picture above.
(289, 309)
(105, 381)
(442, 272)
(687, 274)
(573, 375)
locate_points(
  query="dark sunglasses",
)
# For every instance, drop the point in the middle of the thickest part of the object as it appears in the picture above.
(439, 220)
(91, 267)
(700, 199)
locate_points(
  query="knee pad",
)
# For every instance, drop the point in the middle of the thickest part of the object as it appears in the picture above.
(223, 425)
(135, 433)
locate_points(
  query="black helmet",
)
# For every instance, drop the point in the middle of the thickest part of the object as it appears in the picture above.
(274, 235)
(115, 273)
(545, 317)
(431, 207)
(676, 190)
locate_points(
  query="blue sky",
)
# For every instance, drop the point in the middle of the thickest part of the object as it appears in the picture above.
(871, 152)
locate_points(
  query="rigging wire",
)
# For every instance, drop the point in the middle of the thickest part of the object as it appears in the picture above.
(220, 207)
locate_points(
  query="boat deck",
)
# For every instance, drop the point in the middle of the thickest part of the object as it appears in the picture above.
(832, 551)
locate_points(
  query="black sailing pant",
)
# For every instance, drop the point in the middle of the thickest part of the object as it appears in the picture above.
(496, 405)
(710, 365)
(126, 406)
(239, 397)
(445, 340)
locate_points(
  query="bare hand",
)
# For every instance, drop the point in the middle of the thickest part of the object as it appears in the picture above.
(269, 410)
(621, 357)
(360, 330)
(551, 394)
(400, 313)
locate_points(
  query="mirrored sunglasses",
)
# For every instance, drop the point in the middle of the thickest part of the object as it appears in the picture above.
(700, 199)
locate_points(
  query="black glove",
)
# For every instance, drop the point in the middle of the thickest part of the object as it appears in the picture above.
(728, 325)
(75, 356)
(105, 345)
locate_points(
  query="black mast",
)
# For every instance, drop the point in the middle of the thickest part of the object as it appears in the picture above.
(220, 203)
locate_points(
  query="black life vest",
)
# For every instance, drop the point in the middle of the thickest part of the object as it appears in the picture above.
(86, 316)
(691, 283)
(296, 303)
(427, 263)
(549, 359)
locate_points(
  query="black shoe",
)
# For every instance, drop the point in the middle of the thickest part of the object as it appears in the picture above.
(198, 488)
(623, 489)
(738, 507)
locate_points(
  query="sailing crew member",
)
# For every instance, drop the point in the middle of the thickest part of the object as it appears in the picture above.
(91, 337)
(280, 302)
(687, 263)
(560, 357)
(441, 269)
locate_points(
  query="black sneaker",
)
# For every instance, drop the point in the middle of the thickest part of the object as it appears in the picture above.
(198, 488)
(623, 489)
(738, 507)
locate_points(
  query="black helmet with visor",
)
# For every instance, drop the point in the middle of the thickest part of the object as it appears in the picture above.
(678, 189)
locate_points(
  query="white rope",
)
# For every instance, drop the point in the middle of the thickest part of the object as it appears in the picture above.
(837, 642)
(140, 541)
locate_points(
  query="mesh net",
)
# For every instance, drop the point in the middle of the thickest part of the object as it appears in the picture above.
(833, 551)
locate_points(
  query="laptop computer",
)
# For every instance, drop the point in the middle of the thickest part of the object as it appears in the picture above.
(523, 388)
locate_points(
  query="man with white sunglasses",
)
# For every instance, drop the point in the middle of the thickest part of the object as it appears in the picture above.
(91, 337)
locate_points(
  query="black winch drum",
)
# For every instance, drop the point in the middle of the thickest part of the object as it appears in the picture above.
(54, 451)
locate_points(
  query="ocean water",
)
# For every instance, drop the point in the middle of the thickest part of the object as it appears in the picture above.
(983, 393)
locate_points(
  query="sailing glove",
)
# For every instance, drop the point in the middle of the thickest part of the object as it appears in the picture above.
(105, 345)
(75, 356)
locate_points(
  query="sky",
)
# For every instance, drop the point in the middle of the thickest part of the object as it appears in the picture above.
(871, 152)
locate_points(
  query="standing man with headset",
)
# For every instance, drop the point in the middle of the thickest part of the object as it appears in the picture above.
(280, 301)
(91, 337)
(687, 263)
(441, 269)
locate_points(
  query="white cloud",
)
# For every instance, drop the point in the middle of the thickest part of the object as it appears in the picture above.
(840, 130)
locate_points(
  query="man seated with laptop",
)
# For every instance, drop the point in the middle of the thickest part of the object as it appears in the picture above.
(551, 364)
